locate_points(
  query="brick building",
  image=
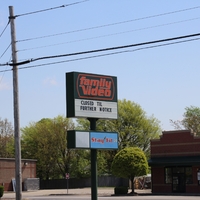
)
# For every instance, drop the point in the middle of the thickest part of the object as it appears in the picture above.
(7, 171)
(175, 163)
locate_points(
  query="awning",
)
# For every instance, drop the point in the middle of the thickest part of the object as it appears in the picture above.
(174, 161)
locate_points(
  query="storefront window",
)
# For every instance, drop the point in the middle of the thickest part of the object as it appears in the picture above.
(168, 175)
(178, 170)
(188, 175)
(198, 176)
(171, 171)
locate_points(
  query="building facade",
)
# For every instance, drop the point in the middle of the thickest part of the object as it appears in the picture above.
(7, 172)
(175, 163)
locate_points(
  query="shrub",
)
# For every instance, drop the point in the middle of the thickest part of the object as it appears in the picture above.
(1, 191)
(121, 190)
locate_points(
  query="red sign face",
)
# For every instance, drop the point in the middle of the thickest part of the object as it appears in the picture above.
(95, 87)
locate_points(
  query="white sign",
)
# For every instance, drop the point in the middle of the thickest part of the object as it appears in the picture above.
(14, 184)
(82, 139)
(95, 109)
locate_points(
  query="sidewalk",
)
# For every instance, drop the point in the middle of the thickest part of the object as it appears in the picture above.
(81, 191)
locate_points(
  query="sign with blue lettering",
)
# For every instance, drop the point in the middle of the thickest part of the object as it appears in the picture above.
(103, 140)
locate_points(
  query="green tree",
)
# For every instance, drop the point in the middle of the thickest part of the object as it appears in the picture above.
(6, 139)
(1, 191)
(190, 121)
(46, 141)
(80, 163)
(129, 163)
(134, 126)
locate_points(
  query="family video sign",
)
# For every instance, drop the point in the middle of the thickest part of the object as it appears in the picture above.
(91, 95)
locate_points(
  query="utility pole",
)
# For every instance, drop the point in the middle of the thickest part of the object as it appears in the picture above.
(18, 177)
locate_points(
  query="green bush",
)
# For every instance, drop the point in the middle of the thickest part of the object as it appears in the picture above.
(1, 191)
(121, 190)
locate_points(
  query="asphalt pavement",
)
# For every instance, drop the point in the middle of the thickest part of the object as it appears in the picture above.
(80, 191)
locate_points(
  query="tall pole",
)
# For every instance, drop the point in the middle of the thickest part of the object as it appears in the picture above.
(18, 177)
(94, 180)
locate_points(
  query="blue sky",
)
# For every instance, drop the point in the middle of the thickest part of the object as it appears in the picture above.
(162, 80)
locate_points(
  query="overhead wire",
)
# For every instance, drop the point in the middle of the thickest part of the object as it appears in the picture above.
(4, 28)
(107, 54)
(3, 55)
(107, 35)
(5, 51)
(48, 9)
(116, 47)
(110, 24)
(35, 13)
(1, 78)
(101, 50)
(5, 70)
(29, 14)
(98, 50)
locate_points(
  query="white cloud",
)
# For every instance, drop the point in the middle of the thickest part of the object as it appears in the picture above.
(50, 81)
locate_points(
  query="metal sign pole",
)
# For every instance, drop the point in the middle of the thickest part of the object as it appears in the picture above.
(67, 177)
(67, 185)
(94, 183)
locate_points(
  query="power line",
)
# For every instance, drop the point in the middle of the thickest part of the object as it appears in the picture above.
(107, 54)
(105, 49)
(4, 73)
(5, 51)
(101, 50)
(5, 28)
(5, 64)
(111, 24)
(117, 47)
(48, 9)
(96, 37)
(1, 77)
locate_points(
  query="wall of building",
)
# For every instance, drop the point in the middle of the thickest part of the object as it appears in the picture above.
(7, 171)
(176, 143)
(158, 181)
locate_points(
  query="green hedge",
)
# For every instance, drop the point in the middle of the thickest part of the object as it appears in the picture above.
(1, 191)
(121, 190)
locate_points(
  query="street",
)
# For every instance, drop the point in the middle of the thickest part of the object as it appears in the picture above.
(151, 197)
(85, 194)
